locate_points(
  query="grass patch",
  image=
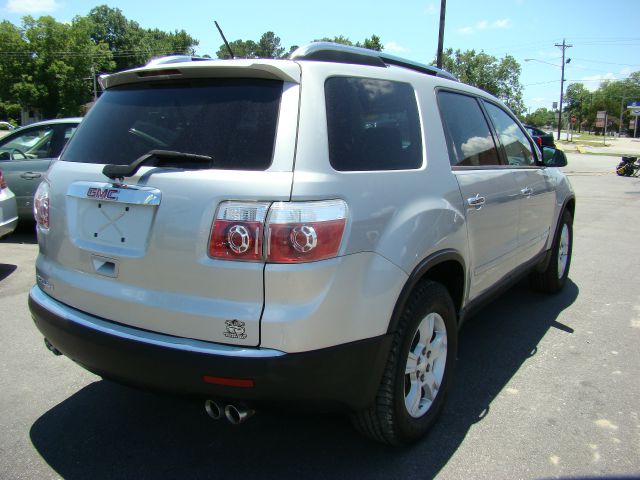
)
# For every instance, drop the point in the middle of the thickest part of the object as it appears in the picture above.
(585, 142)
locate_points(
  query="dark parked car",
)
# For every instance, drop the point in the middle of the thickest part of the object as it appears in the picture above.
(542, 138)
(27, 152)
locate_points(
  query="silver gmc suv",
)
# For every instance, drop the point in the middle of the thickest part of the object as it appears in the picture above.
(312, 230)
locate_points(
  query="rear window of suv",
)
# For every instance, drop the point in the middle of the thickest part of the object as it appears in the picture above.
(372, 125)
(231, 120)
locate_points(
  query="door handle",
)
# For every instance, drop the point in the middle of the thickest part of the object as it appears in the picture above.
(527, 191)
(476, 201)
(30, 175)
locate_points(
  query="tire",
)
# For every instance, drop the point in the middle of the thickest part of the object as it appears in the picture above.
(405, 405)
(553, 278)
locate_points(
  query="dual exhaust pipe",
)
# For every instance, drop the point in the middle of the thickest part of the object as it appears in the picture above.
(234, 413)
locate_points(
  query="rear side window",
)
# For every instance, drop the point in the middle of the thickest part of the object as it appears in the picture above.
(372, 125)
(468, 135)
(231, 120)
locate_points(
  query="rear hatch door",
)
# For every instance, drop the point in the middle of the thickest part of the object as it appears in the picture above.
(135, 250)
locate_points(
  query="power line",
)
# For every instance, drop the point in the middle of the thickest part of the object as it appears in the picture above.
(608, 63)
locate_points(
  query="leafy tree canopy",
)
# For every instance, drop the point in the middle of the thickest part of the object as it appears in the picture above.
(269, 46)
(500, 77)
(48, 65)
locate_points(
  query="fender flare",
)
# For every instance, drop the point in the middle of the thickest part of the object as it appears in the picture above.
(542, 266)
(417, 275)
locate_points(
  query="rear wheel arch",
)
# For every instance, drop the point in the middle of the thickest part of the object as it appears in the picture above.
(447, 268)
(570, 206)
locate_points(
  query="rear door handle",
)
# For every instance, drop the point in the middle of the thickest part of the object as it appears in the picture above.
(30, 175)
(527, 191)
(476, 201)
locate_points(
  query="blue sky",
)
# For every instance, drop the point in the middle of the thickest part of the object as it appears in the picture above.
(605, 35)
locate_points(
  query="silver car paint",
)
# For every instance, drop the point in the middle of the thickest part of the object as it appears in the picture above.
(165, 281)
(396, 219)
(8, 212)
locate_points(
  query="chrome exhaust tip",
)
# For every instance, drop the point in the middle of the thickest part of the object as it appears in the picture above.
(214, 409)
(237, 414)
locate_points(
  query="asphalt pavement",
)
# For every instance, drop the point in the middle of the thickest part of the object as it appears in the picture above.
(545, 386)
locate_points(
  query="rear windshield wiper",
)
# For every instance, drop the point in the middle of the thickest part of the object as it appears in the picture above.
(121, 171)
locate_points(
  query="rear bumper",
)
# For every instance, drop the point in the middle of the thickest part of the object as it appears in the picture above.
(346, 375)
(8, 212)
(9, 226)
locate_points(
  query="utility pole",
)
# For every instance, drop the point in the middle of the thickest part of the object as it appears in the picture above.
(443, 7)
(621, 112)
(564, 47)
(95, 86)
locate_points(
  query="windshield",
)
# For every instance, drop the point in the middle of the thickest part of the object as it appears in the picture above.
(231, 120)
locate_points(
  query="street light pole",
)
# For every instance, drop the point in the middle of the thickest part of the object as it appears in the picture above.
(564, 47)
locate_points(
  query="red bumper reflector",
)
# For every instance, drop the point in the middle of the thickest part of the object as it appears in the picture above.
(230, 382)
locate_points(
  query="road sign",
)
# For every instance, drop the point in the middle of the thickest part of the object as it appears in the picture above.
(573, 119)
(601, 118)
(633, 105)
(635, 112)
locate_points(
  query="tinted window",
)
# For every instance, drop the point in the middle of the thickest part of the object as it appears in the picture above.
(372, 125)
(231, 120)
(468, 135)
(513, 139)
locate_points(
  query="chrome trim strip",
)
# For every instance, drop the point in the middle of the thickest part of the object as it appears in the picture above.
(128, 333)
(116, 192)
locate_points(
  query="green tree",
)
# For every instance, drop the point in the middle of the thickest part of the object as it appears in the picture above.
(61, 58)
(48, 65)
(269, 46)
(542, 117)
(500, 77)
(579, 103)
(132, 45)
(12, 62)
(240, 48)
(372, 43)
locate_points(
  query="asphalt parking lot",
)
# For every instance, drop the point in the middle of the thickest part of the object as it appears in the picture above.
(546, 386)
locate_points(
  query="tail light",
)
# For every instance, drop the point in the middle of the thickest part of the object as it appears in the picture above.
(293, 232)
(539, 141)
(237, 231)
(41, 205)
(305, 231)
(3, 183)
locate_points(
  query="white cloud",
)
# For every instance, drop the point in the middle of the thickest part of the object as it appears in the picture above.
(394, 47)
(31, 6)
(485, 25)
(432, 9)
(592, 82)
(553, 54)
(504, 23)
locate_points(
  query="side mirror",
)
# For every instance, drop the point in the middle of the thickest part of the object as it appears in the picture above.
(552, 157)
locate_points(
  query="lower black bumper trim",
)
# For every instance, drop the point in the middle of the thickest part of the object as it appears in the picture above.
(346, 375)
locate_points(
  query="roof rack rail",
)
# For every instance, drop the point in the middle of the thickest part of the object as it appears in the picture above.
(338, 53)
(174, 59)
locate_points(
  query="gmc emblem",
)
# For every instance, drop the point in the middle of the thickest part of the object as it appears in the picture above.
(102, 193)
